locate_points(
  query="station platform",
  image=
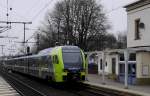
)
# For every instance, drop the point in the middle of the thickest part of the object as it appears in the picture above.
(96, 80)
(6, 89)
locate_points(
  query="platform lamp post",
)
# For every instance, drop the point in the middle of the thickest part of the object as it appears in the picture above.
(126, 56)
(103, 68)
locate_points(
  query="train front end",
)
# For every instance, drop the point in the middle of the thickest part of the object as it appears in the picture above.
(74, 64)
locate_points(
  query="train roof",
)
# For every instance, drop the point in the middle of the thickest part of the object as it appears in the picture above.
(30, 56)
(48, 51)
(45, 51)
(70, 47)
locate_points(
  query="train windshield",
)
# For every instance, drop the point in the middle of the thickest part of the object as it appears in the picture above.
(72, 59)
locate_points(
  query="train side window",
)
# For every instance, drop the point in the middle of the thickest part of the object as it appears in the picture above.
(46, 61)
(49, 60)
(55, 59)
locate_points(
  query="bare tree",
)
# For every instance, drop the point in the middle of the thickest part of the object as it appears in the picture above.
(76, 22)
(110, 41)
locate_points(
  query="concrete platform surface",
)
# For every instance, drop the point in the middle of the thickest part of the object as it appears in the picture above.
(6, 89)
(96, 80)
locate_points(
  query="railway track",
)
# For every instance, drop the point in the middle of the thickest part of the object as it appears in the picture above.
(41, 86)
(82, 89)
(97, 91)
(86, 90)
(24, 86)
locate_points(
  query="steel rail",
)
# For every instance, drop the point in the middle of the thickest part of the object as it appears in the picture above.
(80, 89)
(106, 92)
(20, 87)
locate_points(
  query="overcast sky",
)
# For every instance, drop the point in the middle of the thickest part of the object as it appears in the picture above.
(34, 11)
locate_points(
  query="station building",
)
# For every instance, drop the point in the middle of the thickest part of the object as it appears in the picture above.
(138, 37)
(138, 45)
(114, 65)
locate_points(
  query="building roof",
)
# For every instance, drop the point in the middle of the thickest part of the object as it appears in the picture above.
(137, 4)
(133, 3)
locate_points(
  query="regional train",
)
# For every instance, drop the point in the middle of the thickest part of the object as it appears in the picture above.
(58, 64)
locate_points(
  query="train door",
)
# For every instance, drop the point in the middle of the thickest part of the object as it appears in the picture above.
(28, 68)
(57, 68)
(42, 66)
(50, 75)
(39, 66)
(26, 65)
(50, 65)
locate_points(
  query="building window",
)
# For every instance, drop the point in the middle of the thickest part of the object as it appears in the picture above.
(106, 64)
(121, 57)
(121, 68)
(101, 66)
(137, 31)
(132, 57)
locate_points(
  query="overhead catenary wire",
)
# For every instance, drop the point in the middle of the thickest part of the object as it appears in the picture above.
(46, 5)
(34, 17)
(16, 13)
(32, 7)
(38, 15)
(114, 9)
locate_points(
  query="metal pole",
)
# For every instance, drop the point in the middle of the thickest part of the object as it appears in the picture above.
(24, 32)
(103, 68)
(3, 50)
(2, 46)
(126, 56)
(38, 41)
(24, 40)
(99, 62)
